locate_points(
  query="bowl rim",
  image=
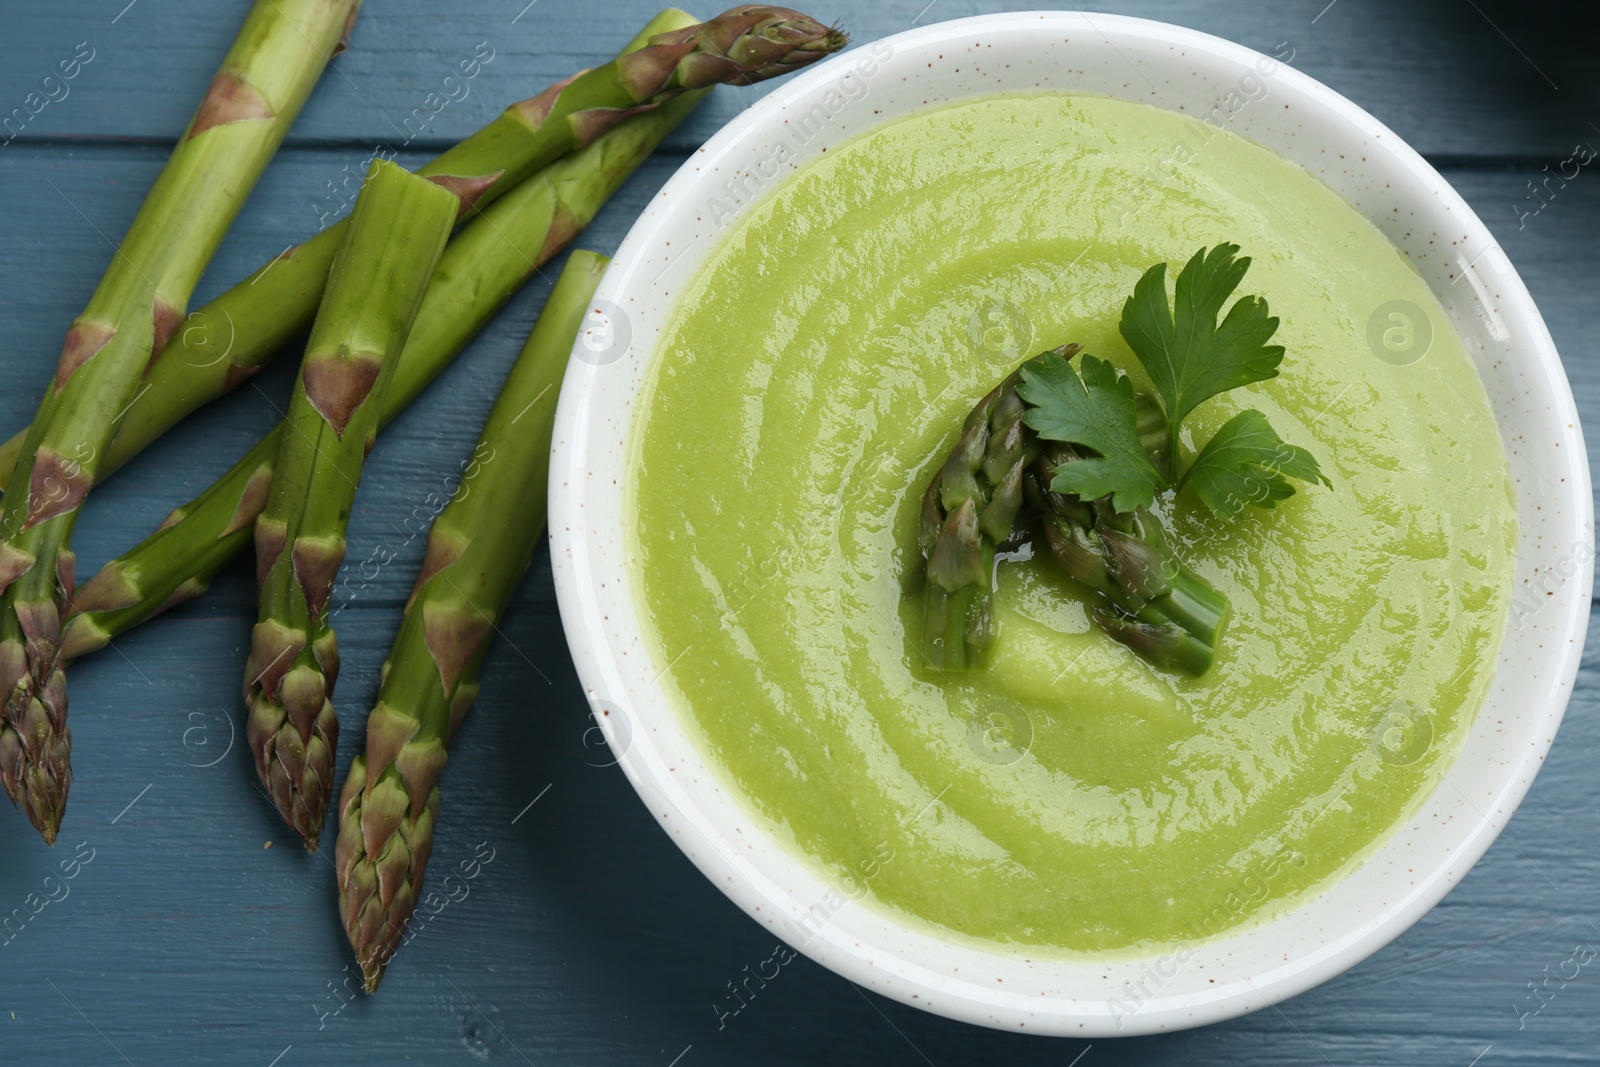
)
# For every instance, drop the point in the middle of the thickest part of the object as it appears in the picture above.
(637, 738)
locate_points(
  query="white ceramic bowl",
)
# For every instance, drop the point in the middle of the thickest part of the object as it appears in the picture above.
(1371, 168)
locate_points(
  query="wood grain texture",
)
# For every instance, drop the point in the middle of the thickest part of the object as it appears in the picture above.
(589, 938)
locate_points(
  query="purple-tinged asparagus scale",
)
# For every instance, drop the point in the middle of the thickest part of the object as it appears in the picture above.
(119, 339)
(995, 488)
(230, 339)
(397, 233)
(478, 549)
(485, 263)
(35, 745)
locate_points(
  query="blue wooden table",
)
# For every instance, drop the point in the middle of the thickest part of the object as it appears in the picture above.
(196, 931)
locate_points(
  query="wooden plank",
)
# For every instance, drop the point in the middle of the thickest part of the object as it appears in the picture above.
(72, 202)
(589, 934)
(589, 937)
(1456, 81)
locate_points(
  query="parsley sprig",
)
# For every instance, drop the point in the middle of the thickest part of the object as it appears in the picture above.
(1065, 452)
(1190, 357)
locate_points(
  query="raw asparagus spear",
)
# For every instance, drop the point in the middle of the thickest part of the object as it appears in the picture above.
(1144, 597)
(968, 510)
(477, 550)
(231, 338)
(397, 232)
(264, 79)
(486, 262)
(982, 497)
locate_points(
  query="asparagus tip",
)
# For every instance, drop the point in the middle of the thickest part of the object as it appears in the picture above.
(381, 855)
(35, 741)
(295, 764)
(41, 791)
(45, 808)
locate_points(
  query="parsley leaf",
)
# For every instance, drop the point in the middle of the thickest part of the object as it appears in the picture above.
(1188, 355)
(1095, 411)
(1245, 462)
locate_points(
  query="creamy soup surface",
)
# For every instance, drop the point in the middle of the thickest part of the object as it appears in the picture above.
(1070, 797)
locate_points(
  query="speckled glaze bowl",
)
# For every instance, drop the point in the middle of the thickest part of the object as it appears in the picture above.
(1266, 100)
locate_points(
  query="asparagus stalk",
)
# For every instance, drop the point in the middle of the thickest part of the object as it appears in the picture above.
(994, 487)
(486, 262)
(397, 232)
(1144, 597)
(968, 509)
(478, 549)
(255, 96)
(234, 336)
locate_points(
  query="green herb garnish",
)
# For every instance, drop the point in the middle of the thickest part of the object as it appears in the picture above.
(1095, 411)
(1246, 462)
(1190, 357)
(1066, 452)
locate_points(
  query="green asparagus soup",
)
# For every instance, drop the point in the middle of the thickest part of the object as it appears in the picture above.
(1069, 797)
